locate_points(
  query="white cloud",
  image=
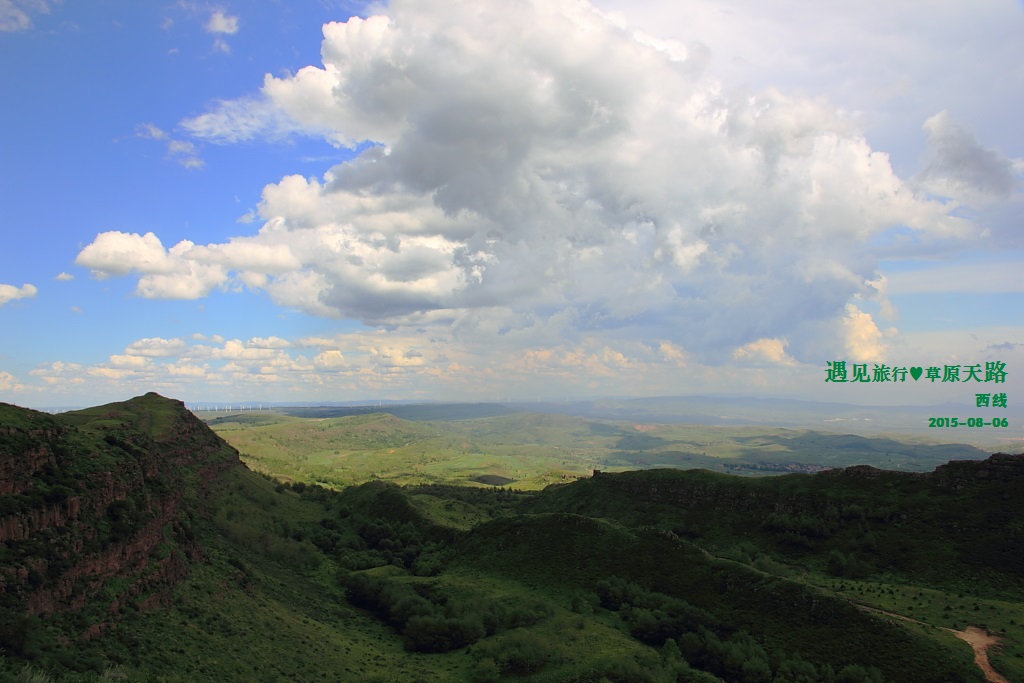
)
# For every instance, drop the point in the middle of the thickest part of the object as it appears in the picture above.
(148, 130)
(772, 351)
(177, 273)
(894, 63)
(15, 14)
(239, 120)
(864, 341)
(671, 353)
(109, 372)
(183, 152)
(553, 174)
(13, 18)
(9, 382)
(10, 293)
(222, 23)
(156, 347)
(181, 147)
(329, 359)
(187, 370)
(410, 363)
(961, 168)
(129, 361)
(59, 374)
(118, 253)
(64, 277)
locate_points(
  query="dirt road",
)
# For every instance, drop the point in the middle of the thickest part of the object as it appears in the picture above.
(980, 641)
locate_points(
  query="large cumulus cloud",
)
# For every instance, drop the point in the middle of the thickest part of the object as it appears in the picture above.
(541, 168)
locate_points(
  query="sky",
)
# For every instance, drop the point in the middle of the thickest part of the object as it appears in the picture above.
(332, 201)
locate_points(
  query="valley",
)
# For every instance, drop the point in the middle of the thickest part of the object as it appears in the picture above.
(534, 450)
(359, 548)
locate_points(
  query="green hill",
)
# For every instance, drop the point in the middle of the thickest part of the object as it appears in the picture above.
(136, 546)
(531, 450)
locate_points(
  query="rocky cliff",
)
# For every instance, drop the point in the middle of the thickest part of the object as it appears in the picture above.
(98, 505)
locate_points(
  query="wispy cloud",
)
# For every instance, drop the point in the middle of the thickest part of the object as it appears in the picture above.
(983, 278)
(961, 168)
(221, 24)
(243, 119)
(181, 151)
(16, 15)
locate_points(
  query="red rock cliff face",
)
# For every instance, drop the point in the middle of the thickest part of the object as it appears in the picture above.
(98, 495)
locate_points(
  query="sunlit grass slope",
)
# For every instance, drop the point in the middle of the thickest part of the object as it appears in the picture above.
(531, 451)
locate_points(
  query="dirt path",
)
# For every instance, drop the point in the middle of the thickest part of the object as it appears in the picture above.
(891, 614)
(979, 640)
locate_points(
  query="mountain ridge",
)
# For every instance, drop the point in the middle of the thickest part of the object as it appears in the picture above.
(100, 495)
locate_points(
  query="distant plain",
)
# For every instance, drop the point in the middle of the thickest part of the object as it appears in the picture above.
(532, 445)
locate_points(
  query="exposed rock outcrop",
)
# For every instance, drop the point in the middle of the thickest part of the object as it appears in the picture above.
(101, 494)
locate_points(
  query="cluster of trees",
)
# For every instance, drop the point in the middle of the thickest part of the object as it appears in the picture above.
(357, 541)
(846, 531)
(363, 530)
(850, 566)
(806, 528)
(493, 501)
(520, 653)
(652, 617)
(799, 529)
(701, 641)
(742, 659)
(430, 621)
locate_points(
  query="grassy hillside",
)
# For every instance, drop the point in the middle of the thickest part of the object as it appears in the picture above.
(531, 451)
(657, 575)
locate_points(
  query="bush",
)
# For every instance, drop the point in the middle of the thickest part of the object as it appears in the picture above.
(523, 653)
(436, 633)
(485, 671)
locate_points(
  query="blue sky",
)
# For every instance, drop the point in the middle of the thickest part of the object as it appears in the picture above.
(449, 200)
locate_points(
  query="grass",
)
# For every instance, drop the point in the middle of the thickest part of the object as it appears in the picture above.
(536, 450)
(249, 613)
(267, 598)
(939, 610)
